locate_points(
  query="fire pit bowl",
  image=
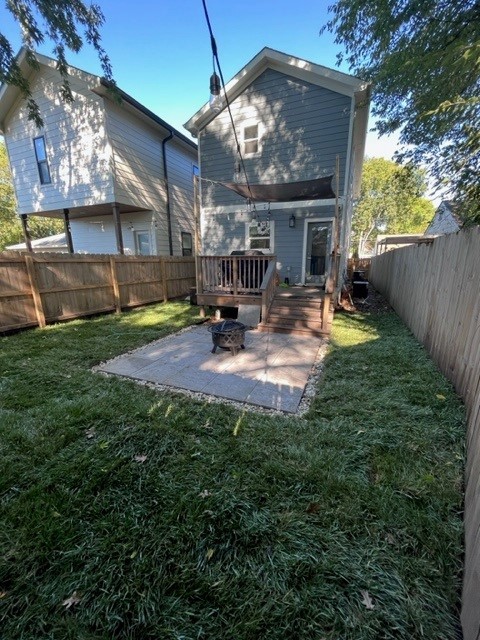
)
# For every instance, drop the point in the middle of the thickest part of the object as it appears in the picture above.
(228, 334)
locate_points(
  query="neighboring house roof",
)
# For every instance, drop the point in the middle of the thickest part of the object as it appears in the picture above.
(308, 71)
(447, 219)
(388, 242)
(9, 94)
(48, 243)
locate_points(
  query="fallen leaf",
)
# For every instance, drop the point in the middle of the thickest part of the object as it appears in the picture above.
(3, 594)
(75, 598)
(313, 507)
(440, 397)
(140, 458)
(209, 554)
(367, 600)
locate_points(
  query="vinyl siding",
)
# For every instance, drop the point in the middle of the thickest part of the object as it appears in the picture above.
(304, 128)
(223, 233)
(180, 180)
(139, 176)
(97, 234)
(77, 148)
(137, 156)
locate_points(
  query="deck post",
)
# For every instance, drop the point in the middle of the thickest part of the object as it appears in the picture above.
(326, 311)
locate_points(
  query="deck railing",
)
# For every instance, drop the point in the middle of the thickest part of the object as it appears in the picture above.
(268, 288)
(232, 274)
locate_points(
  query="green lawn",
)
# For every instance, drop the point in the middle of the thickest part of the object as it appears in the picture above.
(132, 514)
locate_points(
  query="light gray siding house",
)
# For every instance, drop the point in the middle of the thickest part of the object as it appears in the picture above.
(119, 176)
(296, 121)
(445, 220)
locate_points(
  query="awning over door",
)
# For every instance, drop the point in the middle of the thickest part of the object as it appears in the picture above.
(318, 189)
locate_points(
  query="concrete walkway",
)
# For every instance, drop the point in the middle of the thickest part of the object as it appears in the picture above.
(271, 372)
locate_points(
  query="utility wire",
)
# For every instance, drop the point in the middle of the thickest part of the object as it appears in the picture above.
(215, 57)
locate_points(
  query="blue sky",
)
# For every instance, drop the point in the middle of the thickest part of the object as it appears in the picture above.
(160, 51)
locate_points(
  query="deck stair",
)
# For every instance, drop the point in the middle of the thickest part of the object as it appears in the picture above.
(299, 310)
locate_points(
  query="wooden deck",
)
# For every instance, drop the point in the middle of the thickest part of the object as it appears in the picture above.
(231, 281)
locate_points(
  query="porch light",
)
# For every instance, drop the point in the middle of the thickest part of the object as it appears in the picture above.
(291, 221)
(215, 99)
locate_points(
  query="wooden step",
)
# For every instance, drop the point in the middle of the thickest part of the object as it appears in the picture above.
(287, 312)
(295, 323)
(269, 328)
(304, 303)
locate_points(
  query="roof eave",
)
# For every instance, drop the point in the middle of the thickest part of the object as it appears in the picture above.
(270, 58)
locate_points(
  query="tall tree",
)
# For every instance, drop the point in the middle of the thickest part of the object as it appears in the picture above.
(66, 23)
(424, 61)
(10, 226)
(391, 201)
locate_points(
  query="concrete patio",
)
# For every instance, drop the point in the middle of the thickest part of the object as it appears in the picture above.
(271, 372)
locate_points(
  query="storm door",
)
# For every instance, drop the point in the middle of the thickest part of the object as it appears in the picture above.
(317, 252)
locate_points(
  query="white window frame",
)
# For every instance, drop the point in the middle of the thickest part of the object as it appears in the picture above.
(136, 234)
(42, 161)
(270, 250)
(260, 130)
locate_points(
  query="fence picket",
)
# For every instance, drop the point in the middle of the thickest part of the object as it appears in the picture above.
(40, 288)
(435, 288)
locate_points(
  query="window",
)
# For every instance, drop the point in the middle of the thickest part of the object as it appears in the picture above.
(195, 170)
(186, 243)
(260, 235)
(250, 139)
(42, 162)
(142, 243)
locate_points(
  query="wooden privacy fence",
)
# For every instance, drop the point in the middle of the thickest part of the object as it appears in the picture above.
(38, 289)
(435, 289)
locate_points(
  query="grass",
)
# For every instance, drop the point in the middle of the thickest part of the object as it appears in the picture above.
(151, 519)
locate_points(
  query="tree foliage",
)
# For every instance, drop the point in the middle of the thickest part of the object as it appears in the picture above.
(10, 227)
(391, 201)
(67, 24)
(424, 61)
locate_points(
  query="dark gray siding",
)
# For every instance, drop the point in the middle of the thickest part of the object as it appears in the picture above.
(304, 128)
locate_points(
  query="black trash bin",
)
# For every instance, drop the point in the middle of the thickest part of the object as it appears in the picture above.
(359, 285)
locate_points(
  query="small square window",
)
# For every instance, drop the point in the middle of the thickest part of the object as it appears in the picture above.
(260, 235)
(250, 139)
(42, 162)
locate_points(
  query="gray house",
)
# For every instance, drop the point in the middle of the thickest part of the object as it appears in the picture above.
(301, 129)
(447, 219)
(120, 177)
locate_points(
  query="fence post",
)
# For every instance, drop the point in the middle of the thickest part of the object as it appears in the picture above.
(37, 298)
(163, 271)
(115, 287)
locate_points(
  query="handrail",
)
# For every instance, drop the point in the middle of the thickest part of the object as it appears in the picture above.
(267, 289)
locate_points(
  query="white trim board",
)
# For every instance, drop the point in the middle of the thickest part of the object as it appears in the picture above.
(274, 206)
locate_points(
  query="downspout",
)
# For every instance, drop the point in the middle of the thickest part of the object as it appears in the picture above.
(167, 192)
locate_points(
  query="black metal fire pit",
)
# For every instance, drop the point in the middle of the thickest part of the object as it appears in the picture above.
(229, 335)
